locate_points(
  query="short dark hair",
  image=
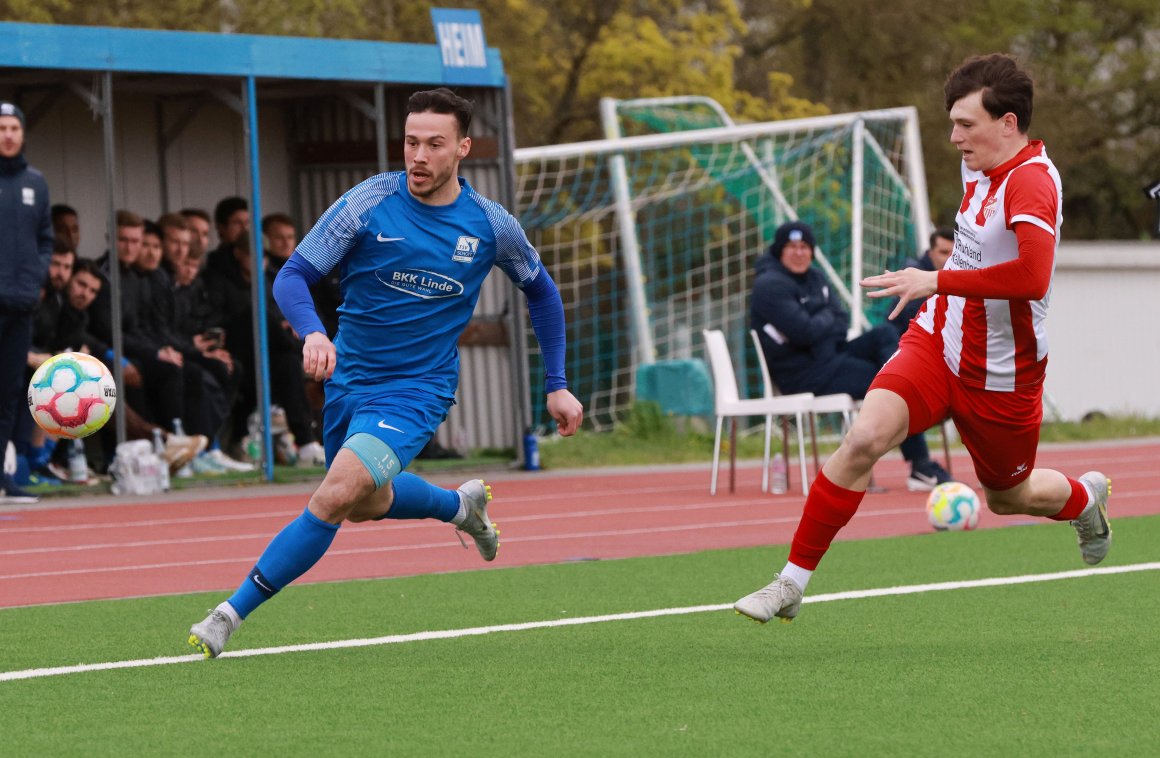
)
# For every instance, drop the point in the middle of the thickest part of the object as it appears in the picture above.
(154, 229)
(60, 209)
(59, 247)
(88, 266)
(1006, 88)
(227, 207)
(276, 218)
(196, 212)
(942, 232)
(443, 100)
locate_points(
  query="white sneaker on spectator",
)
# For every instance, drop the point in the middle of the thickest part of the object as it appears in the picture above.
(227, 463)
(204, 464)
(311, 454)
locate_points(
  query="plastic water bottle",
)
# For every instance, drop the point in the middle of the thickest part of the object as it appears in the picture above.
(531, 451)
(779, 475)
(78, 465)
(186, 471)
(162, 464)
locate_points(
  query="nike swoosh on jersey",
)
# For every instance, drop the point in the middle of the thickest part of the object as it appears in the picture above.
(381, 238)
(392, 428)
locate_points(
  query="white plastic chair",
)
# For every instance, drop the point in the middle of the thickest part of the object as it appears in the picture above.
(836, 403)
(727, 403)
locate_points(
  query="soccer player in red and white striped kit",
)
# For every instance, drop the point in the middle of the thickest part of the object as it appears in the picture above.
(977, 350)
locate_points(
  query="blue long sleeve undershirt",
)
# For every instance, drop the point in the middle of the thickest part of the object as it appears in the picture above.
(547, 313)
(292, 293)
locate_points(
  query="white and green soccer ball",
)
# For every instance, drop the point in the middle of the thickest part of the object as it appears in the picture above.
(953, 506)
(72, 395)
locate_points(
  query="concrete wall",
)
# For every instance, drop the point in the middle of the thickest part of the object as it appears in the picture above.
(1102, 330)
(206, 162)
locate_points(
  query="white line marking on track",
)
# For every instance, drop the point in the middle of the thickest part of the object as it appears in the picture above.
(9, 676)
(249, 560)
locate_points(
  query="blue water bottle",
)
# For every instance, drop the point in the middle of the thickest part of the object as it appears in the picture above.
(531, 451)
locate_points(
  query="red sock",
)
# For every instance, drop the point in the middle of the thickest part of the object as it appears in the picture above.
(1075, 504)
(828, 509)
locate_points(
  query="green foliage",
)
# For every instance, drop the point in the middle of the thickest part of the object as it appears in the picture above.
(1095, 64)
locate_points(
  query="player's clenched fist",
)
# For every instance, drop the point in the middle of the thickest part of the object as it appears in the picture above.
(318, 356)
(566, 410)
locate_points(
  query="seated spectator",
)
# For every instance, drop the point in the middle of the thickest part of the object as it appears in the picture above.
(198, 222)
(942, 244)
(60, 268)
(66, 228)
(209, 379)
(227, 280)
(176, 239)
(160, 364)
(803, 330)
(231, 217)
(71, 332)
(281, 240)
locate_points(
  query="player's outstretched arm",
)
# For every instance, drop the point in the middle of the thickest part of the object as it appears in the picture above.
(907, 285)
(566, 410)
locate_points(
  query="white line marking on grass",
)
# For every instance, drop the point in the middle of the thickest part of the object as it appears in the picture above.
(446, 634)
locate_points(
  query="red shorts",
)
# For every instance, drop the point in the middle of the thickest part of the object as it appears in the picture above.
(999, 429)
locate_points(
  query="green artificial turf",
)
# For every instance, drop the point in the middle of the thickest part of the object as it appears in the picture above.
(1054, 668)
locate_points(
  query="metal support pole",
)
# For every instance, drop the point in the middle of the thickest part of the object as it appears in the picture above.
(106, 111)
(857, 172)
(518, 365)
(258, 274)
(916, 174)
(381, 126)
(645, 352)
(162, 144)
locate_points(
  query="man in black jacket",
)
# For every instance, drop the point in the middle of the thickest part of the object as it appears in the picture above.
(942, 244)
(25, 249)
(803, 328)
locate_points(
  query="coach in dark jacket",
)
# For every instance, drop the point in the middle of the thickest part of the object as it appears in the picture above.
(942, 245)
(803, 328)
(25, 249)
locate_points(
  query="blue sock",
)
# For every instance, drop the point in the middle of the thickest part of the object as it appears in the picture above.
(415, 498)
(288, 556)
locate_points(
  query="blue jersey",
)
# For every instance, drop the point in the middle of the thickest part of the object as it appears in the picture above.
(410, 276)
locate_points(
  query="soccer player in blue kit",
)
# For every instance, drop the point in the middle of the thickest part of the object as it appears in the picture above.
(413, 249)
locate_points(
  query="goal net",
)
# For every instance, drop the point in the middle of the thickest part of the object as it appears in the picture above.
(652, 237)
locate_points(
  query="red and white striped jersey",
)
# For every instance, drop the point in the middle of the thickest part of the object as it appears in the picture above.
(998, 344)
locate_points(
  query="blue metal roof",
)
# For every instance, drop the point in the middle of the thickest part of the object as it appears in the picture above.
(96, 48)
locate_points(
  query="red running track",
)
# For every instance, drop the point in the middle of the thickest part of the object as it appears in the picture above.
(113, 548)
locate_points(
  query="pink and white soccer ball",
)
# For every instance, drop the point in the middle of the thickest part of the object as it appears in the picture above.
(953, 506)
(72, 395)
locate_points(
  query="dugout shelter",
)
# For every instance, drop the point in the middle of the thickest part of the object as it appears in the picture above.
(156, 121)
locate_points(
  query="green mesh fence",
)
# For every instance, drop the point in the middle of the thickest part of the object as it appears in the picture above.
(705, 206)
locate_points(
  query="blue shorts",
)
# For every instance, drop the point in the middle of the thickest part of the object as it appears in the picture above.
(404, 419)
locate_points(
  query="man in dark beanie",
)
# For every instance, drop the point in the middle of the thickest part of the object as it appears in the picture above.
(803, 327)
(25, 250)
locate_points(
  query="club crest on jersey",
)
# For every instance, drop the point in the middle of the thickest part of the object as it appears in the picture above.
(988, 209)
(426, 285)
(465, 249)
